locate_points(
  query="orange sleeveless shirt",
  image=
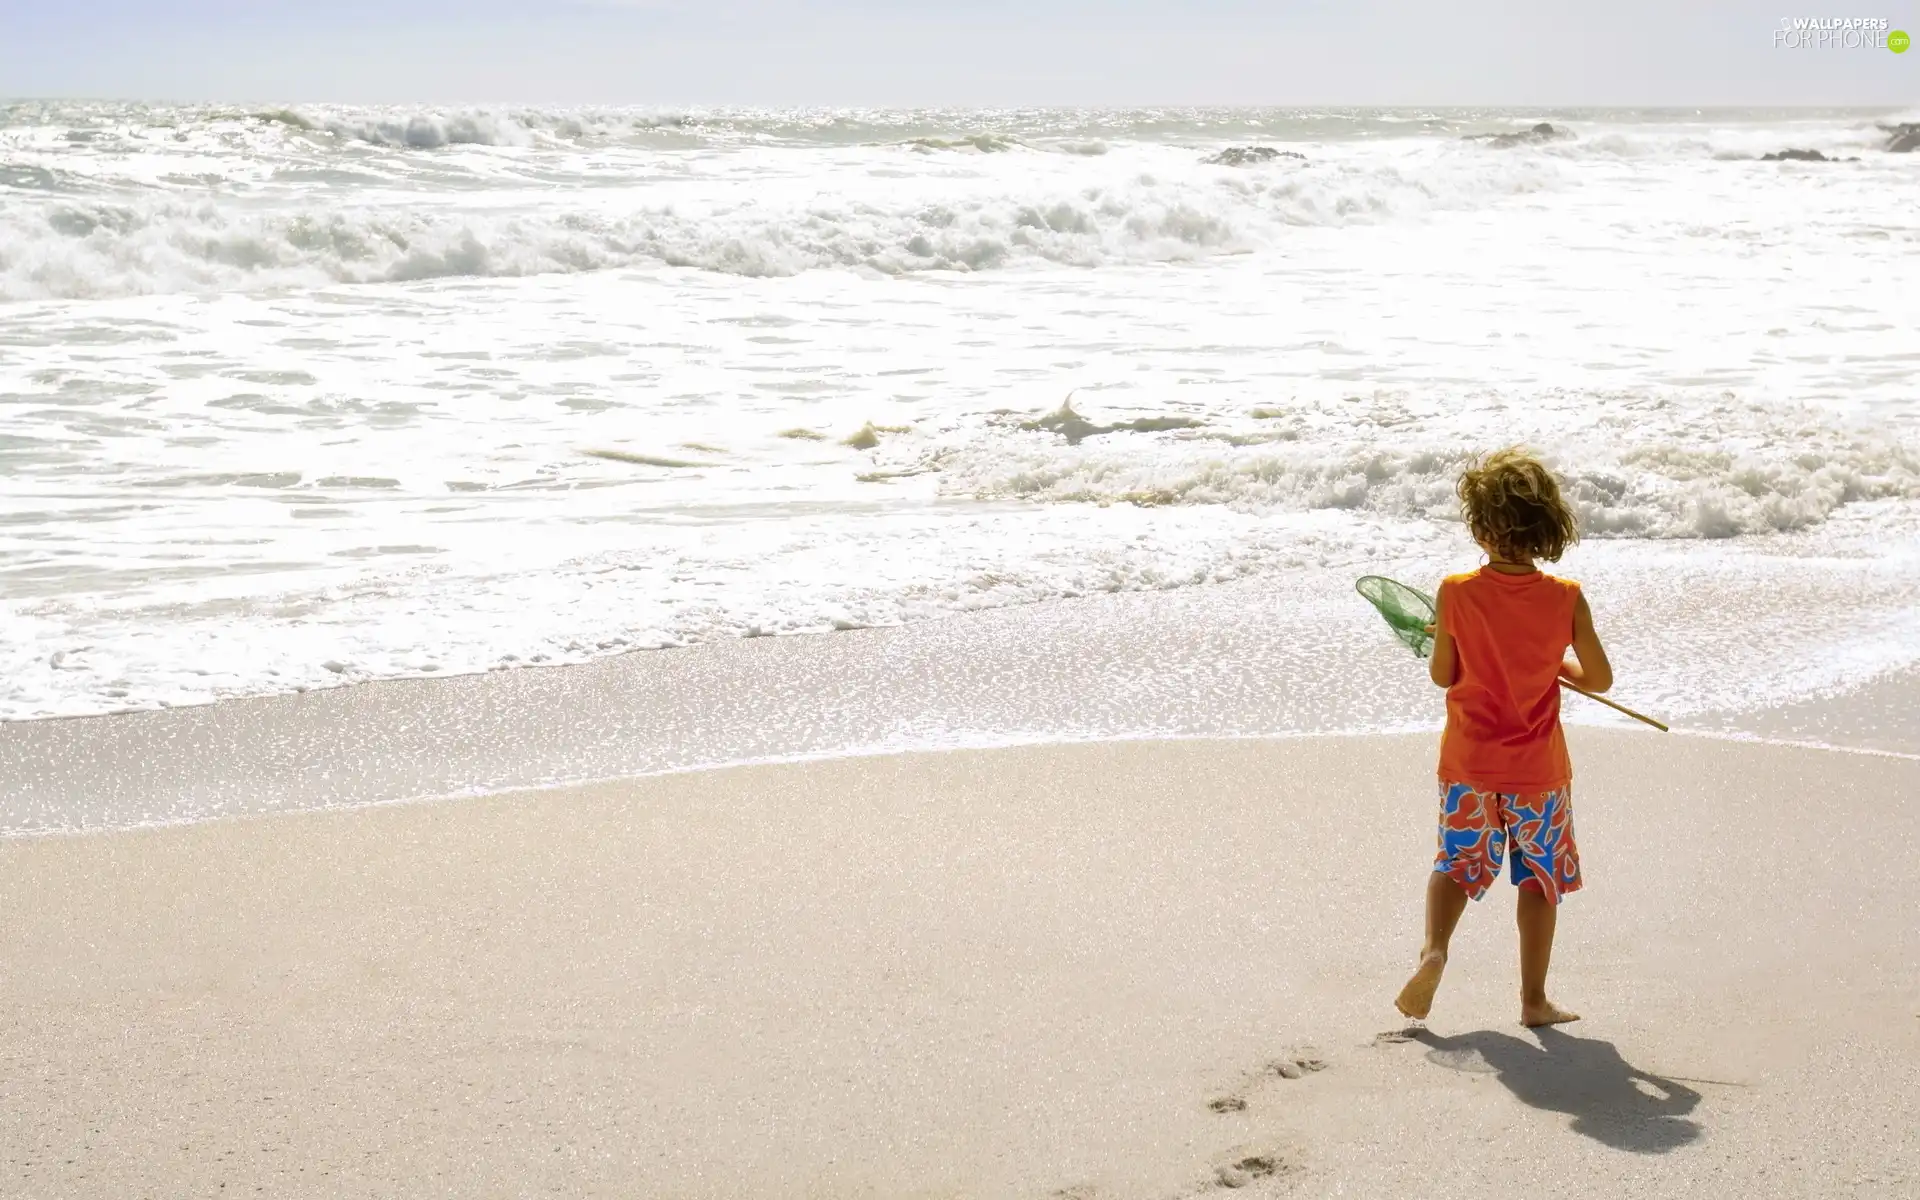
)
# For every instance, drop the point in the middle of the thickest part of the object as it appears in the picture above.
(1511, 633)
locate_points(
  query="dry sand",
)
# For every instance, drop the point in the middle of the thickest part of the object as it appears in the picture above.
(1089, 971)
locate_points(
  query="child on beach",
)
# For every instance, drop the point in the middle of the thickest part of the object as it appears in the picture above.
(1500, 637)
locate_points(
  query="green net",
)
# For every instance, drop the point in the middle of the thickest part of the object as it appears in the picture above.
(1408, 610)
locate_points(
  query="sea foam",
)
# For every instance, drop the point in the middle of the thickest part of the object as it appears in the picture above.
(303, 398)
(96, 247)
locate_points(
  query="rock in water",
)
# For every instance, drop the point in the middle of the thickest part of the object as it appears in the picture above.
(1539, 135)
(1904, 138)
(1244, 156)
(1802, 156)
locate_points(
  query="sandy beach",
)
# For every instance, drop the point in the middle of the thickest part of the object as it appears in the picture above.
(1110, 970)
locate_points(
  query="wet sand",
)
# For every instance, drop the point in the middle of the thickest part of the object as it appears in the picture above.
(1128, 969)
(1190, 662)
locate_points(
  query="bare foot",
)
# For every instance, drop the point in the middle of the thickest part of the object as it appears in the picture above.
(1416, 999)
(1545, 1013)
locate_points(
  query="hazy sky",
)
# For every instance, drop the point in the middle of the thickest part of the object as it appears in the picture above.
(981, 52)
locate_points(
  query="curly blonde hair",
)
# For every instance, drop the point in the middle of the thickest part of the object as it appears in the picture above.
(1512, 504)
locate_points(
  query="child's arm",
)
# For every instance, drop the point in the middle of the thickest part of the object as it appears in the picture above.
(1592, 672)
(1443, 663)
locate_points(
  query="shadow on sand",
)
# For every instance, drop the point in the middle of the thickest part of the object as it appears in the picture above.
(1609, 1099)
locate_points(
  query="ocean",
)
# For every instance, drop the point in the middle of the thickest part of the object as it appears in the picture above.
(303, 398)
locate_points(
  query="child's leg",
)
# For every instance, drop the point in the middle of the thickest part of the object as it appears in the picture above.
(1546, 866)
(1537, 916)
(1446, 900)
(1472, 841)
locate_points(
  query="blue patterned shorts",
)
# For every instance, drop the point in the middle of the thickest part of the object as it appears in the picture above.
(1478, 827)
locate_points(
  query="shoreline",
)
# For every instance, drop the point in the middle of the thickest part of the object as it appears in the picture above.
(1182, 664)
(1108, 970)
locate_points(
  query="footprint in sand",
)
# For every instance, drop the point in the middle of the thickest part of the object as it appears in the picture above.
(1244, 1169)
(1393, 1037)
(1296, 1064)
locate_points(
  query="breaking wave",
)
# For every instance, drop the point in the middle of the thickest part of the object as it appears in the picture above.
(1784, 473)
(73, 248)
